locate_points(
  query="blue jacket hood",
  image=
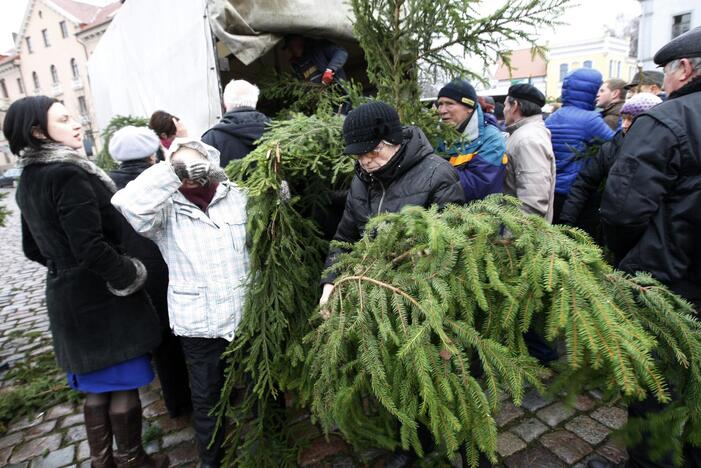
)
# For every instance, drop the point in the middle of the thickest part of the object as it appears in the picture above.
(579, 88)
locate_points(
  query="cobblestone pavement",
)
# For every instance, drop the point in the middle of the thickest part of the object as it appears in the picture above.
(538, 434)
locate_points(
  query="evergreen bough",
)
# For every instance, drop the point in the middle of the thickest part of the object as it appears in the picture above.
(429, 312)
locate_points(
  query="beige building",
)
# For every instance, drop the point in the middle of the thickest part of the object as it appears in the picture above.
(53, 44)
(11, 88)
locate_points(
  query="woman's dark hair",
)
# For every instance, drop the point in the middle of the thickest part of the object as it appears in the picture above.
(23, 116)
(162, 122)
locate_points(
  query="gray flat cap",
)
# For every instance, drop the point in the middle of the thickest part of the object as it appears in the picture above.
(647, 77)
(685, 46)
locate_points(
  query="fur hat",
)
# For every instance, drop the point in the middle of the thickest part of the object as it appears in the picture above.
(130, 143)
(209, 152)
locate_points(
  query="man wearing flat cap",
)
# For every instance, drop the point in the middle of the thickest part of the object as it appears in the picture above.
(648, 81)
(650, 208)
(530, 174)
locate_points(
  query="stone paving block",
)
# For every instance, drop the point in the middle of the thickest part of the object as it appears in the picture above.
(75, 434)
(175, 438)
(156, 408)
(584, 403)
(507, 413)
(35, 447)
(5, 455)
(556, 413)
(83, 451)
(55, 459)
(72, 420)
(25, 423)
(534, 457)
(566, 445)
(508, 444)
(169, 424)
(611, 416)
(530, 429)
(148, 397)
(533, 401)
(39, 430)
(183, 453)
(588, 429)
(24, 464)
(613, 451)
(58, 411)
(321, 449)
(152, 447)
(11, 440)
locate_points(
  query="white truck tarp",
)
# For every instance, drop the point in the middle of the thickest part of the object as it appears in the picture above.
(157, 54)
(250, 28)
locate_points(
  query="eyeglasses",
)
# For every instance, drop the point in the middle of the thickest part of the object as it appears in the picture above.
(372, 153)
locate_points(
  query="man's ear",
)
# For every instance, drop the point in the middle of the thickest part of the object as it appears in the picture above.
(38, 133)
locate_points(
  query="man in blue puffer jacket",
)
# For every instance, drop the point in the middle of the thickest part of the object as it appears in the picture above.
(575, 126)
(480, 160)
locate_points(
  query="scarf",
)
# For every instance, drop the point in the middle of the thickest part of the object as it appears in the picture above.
(200, 196)
(53, 153)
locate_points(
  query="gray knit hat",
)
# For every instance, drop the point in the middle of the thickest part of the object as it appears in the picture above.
(130, 143)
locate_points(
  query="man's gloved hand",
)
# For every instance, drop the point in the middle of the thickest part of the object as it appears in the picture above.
(196, 171)
(327, 77)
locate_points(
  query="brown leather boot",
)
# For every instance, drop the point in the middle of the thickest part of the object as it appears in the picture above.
(126, 427)
(99, 432)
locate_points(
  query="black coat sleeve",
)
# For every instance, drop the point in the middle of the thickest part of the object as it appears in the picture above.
(347, 231)
(29, 246)
(80, 218)
(645, 169)
(587, 183)
(447, 188)
(336, 55)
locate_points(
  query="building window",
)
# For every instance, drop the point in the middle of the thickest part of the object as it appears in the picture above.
(41, 15)
(28, 41)
(64, 29)
(587, 64)
(82, 105)
(74, 69)
(681, 24)
(54, 74)
(35, 79)
(19, 86)
(45, 35)
(563, 71)
(3, 88)
(618, 69)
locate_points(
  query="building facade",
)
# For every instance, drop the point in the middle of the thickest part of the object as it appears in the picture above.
(610, 55)
(525, 68)
(660, 22)
(12, 87)
(53, 45)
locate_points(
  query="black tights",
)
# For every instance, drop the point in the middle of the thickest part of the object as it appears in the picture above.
(114, 402)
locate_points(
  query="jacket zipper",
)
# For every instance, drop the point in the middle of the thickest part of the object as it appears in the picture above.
(382, 198)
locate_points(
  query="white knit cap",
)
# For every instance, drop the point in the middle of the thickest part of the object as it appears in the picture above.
(240, 93)
(130, 143)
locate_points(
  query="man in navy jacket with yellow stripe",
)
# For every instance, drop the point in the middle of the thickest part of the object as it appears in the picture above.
(480, 159)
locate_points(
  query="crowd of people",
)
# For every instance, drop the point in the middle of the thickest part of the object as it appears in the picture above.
(151, 260)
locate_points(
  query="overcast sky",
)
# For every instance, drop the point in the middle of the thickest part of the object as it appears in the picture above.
(585, 20)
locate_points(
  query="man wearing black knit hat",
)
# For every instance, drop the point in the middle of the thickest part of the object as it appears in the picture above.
(395, 166)
(479, 159)
(530, 174)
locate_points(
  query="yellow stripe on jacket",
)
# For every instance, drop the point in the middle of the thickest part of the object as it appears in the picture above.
(461, 159)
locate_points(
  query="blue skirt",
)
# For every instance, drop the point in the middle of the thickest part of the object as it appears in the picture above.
(127, 375)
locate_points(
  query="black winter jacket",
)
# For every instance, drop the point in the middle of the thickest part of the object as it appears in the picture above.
(235, 133)
(144, 249)
(581, 208)
(651, 208)
(414, 176)
(69, 225)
